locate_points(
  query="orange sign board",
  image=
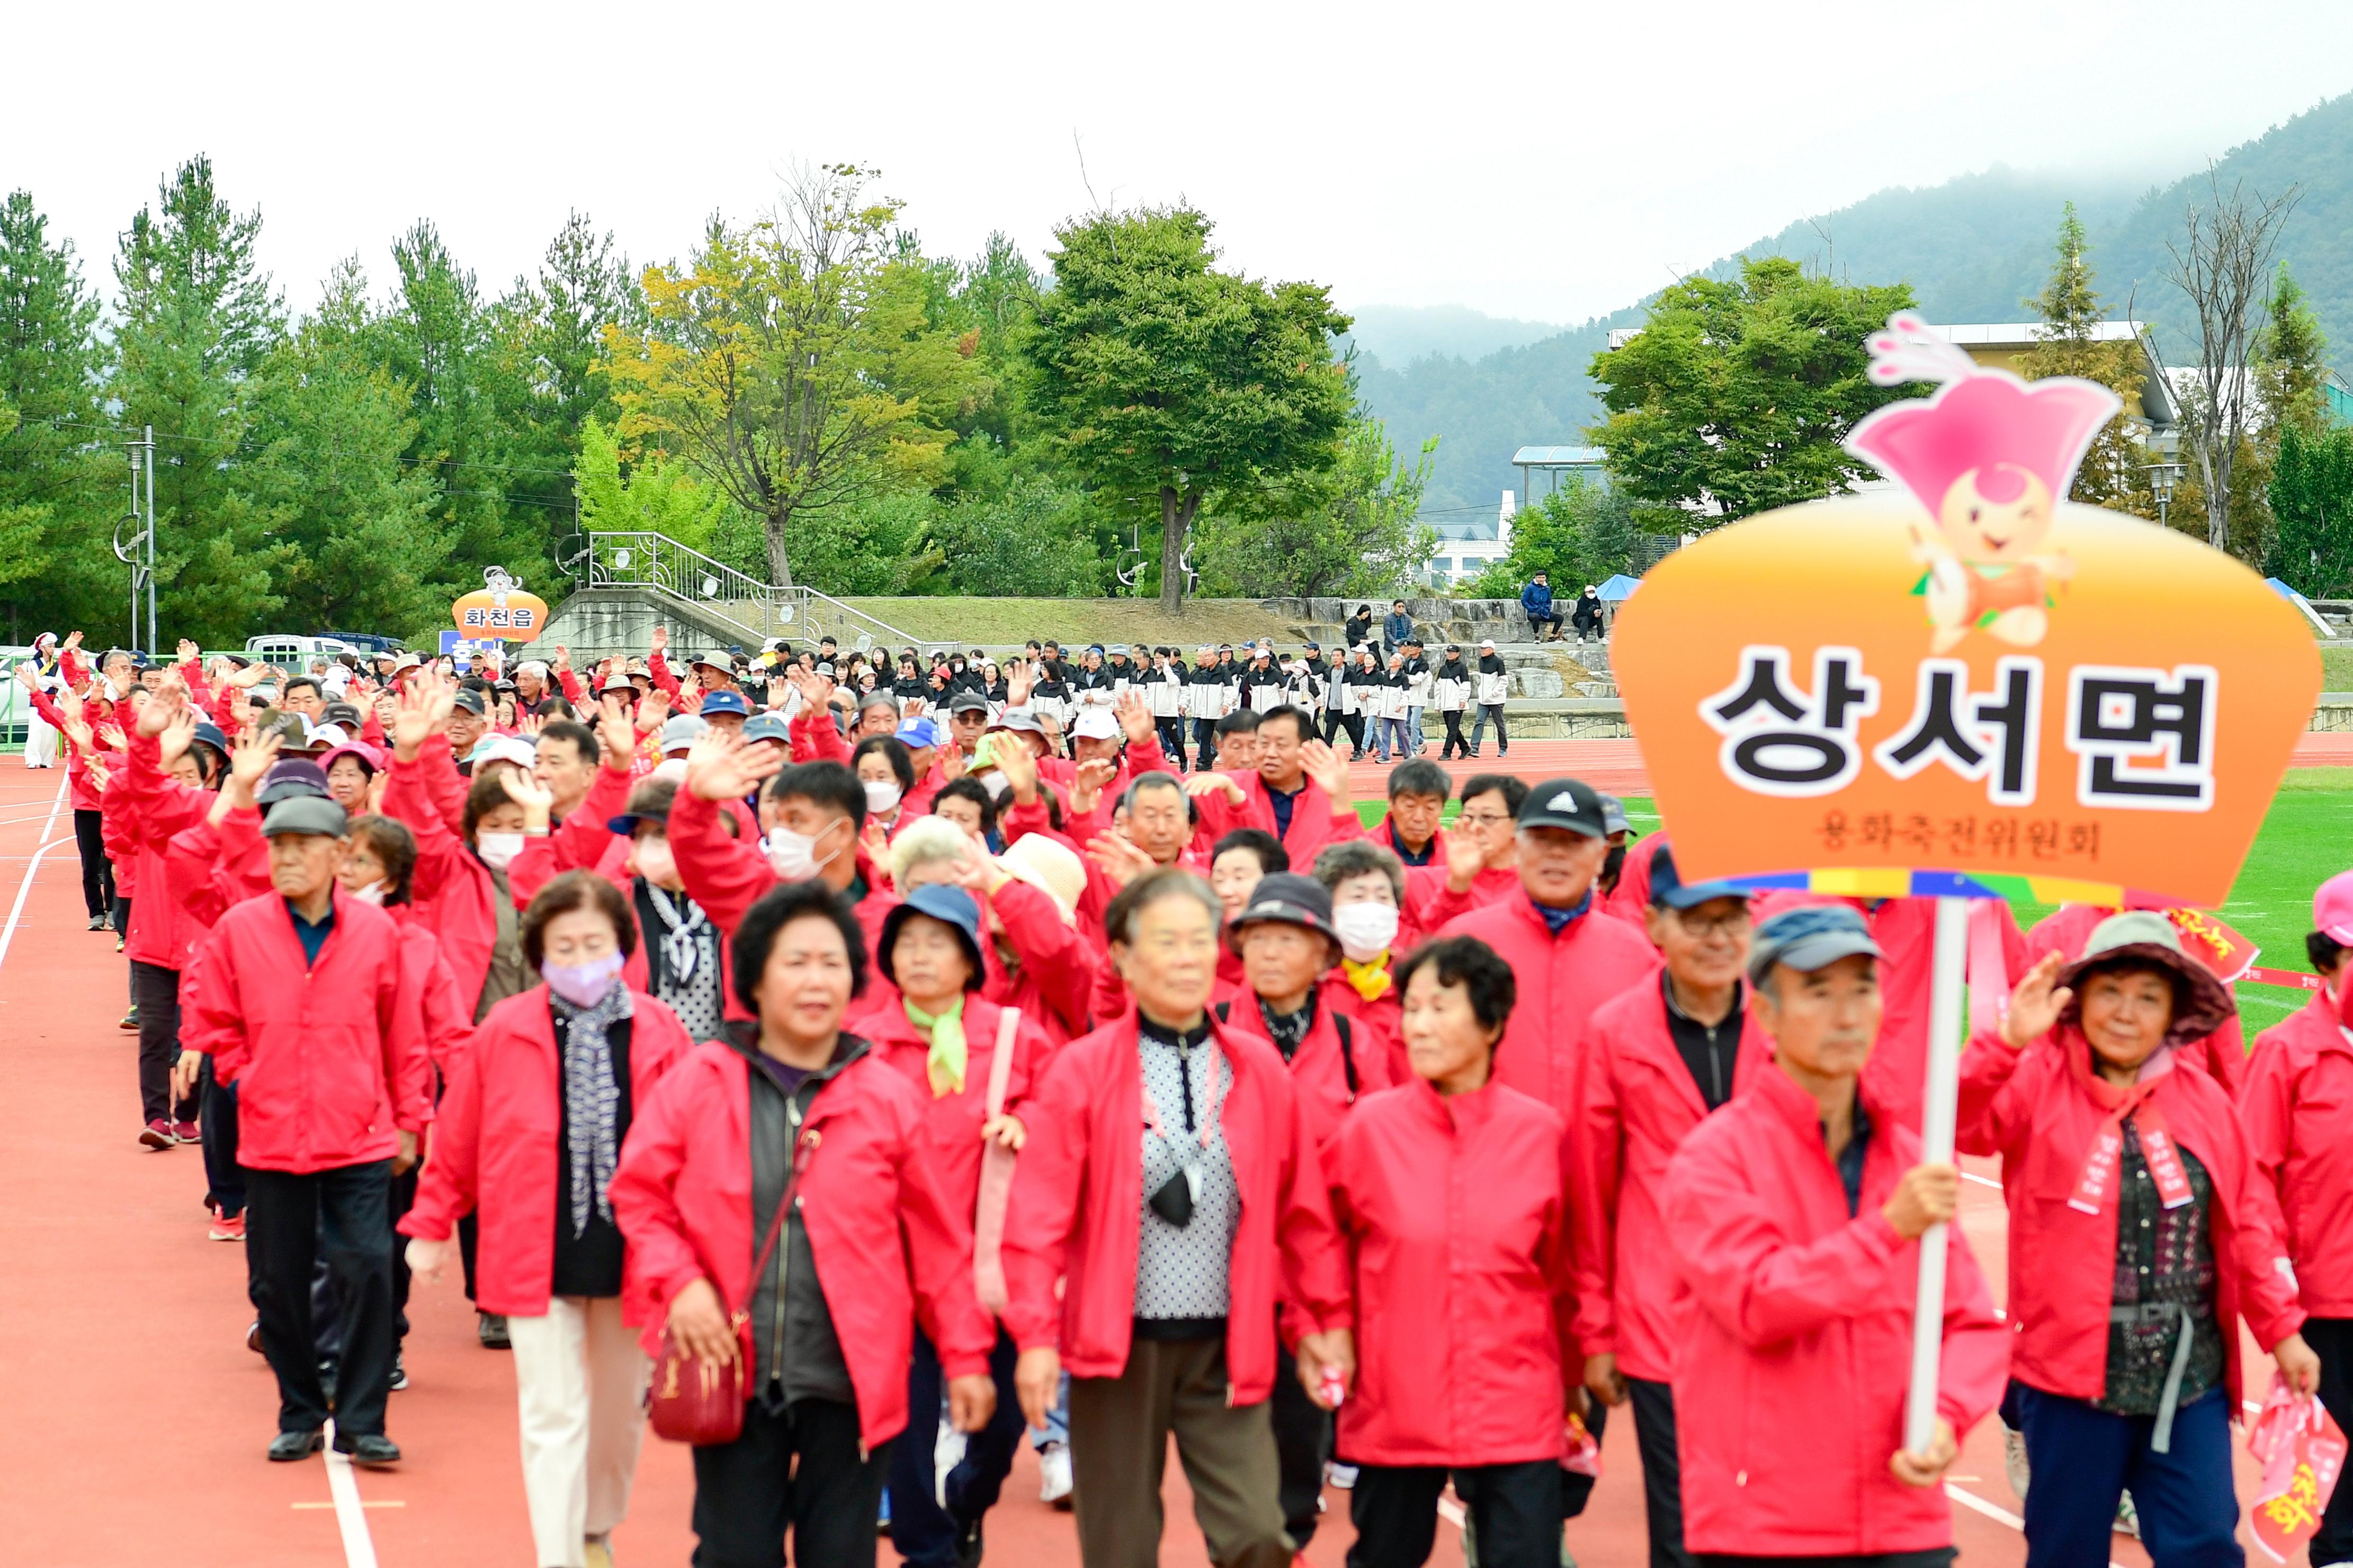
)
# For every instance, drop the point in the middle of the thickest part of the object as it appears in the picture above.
(509, 613)
(1853, 684)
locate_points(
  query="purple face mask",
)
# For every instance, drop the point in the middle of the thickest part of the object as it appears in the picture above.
(582, 984)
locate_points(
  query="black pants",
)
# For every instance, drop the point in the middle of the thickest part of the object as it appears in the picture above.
(1489, 713)
(797, 1470)
(155, 992)
(1303, 1441)
(291, 1221)
(2331, 1339)
(1172, 740)
(1662, 1475)
(1513, 1509)
(1538, 624)
(1331, 725)
(1205, 744)
(224, 1177)
(96, 871)
(1355, 724)
(1456, 741)
(924, 1533)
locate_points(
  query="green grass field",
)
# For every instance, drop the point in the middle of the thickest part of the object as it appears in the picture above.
(2306, 838)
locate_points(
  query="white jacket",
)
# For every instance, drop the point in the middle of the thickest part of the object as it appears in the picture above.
(1494, 689)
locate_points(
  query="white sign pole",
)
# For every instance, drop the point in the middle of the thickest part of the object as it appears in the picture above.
(1938, 1107)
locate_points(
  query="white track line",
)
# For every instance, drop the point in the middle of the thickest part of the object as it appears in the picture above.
(1998, 1514)
(351, 1516)
(24, 887)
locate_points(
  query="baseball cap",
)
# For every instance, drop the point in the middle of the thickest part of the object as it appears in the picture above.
(766, 727)
(1564, 802)
(305, 813)
(343, 714)
(1095, 724)
(715, 659)
(470, 700)
(495, 748)
(968, 702)
(1285, 898)
(209, 734)
(1809, 937)
(1667, 887)
(725, 702)
(2332, 909)
(1486, 642)
(679, 732)
(1022, 719)
(1118, 649)
(1613, 814)
(918, 732)
(294, 732)
(292, 777)
(1051, 866)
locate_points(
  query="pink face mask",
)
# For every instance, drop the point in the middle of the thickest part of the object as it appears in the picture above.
(582, 984)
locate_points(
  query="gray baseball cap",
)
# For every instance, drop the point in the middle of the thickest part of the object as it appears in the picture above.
(305, 813)
(1809, 937)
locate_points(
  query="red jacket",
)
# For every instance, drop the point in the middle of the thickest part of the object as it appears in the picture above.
(1384, 833)
(2035, 1109)
(453, 889)
(2223, 1053)
(888, 1239)
(1455, 1212)
(1383, 1017)
(1789, 1384)
(580, 842)
(329, 1063)
(148, 808)
(1313, 821)
(2297, 1106)
(1321, 1070)
(1430, 903)
(496, 1148)
(444, 1014)
(1077, 1210)
(952, 1122)
(1562, 979)
(1636, 1103)
(1905, 930)
(1057, 961)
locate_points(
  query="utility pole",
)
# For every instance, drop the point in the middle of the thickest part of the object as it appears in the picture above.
(143, 566)
(147, 448)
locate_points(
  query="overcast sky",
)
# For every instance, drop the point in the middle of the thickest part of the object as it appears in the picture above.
(1544, 161)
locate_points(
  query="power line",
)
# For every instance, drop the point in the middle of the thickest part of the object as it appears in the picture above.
(125, 432)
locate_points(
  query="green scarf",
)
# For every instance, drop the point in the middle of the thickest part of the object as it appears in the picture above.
(945, 1063)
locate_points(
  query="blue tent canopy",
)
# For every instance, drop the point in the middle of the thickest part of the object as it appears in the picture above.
(1619, 588)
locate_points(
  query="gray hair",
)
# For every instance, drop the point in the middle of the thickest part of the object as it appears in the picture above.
(1354, 858)
(1154, 887)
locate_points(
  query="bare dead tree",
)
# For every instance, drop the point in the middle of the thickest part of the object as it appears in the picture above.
(2222, 261)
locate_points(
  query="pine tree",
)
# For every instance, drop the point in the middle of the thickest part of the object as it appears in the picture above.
(2291, 362)
(2072, 315)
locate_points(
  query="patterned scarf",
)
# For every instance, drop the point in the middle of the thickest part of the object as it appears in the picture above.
(945, 1063)
(689, 977)
(592, 1100)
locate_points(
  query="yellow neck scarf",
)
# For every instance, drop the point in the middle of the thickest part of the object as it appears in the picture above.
(945, 1063)
(1371, 978)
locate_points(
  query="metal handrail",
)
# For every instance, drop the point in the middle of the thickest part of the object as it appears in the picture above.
(762, 610)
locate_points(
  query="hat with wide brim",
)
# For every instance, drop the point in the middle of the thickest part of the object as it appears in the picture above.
(952, 906)
(1285, 898)
(2202, 1002)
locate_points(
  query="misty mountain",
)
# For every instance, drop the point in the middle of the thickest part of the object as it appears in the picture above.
(1974, 248)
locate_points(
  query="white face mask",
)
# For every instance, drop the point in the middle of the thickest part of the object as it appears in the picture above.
(1366, 930)
(497, 849)
(373, 893)
(671, 769)
(882, 795)
(996, 783)
(793, 855)
(654, 861)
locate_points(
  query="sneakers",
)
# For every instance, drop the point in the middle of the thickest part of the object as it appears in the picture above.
(130, 1023)
(399, 1373)
(597, 1551)
(231, 1227)
(948, 1448)
(491, 1329)
(1054, 1473)
(253, 1337)
(157, 1134)
(187, 1132)
(117, 941)
(1340, 1476)
(97, 922)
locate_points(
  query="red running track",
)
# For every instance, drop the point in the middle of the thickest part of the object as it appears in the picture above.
(137, 1419)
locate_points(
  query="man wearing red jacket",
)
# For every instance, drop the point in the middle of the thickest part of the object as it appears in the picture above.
(1299, 792)
(1567, 963)
(297, 1000)
(1796, 1214)
(1170, 1252)
(1654, 1064)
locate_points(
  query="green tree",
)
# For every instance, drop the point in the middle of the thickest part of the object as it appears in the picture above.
(2069, 344)
(1582, 532)
(551, 326)
(1734, 397)
(60, 485)
(2291, 359)
(362, 547)
(650, 494)
(2312, 505)
(793, 365)
(1165, 378)
(198, 320)
(1034, 541)
(1351, 529)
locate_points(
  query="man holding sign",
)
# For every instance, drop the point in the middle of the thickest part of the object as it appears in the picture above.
(1796, 1214)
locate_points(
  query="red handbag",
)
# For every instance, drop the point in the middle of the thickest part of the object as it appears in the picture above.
(693, 1400)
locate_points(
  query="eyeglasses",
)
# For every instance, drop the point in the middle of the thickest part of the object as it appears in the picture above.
(1483, 819)
(1731, 924)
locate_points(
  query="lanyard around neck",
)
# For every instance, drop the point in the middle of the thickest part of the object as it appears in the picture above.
(1152, 1111)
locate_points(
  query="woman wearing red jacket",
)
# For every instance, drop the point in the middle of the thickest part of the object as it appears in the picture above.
(939, 1034)
(546, 1090)
(2297, 1106)
(1284, 941)
(2137, 1242)
(1654, 1063)
(1796, 1213)
(1150, 1258)
(1452, 1194)
(791, 1106)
